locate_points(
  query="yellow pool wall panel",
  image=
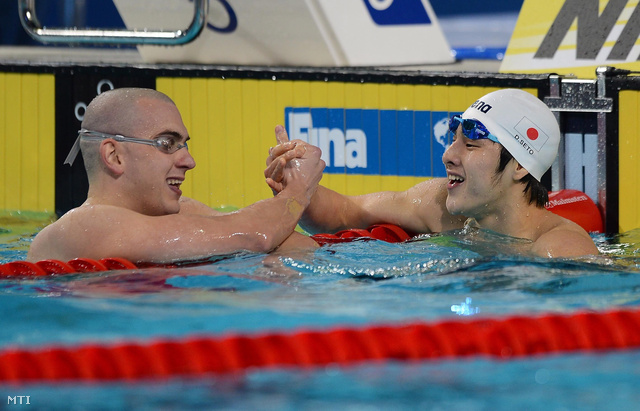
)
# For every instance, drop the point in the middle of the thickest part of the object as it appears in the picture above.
(231, 123)
(27, 127)
(629, 156)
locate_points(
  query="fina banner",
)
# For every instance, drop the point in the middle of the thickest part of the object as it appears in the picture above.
(372, 141)
(295, 32)
(574, 37)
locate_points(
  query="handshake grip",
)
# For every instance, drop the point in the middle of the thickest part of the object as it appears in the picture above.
(304, 172)
(296, 163)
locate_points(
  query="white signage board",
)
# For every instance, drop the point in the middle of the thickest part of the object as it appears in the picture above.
(295, 32)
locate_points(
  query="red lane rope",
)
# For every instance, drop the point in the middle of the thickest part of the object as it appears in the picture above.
(51, 267)
(198, 356)
(385, 232)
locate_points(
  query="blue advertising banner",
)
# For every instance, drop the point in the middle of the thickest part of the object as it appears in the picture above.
(374, 142)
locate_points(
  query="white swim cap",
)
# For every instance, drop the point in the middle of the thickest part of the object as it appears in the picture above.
(523, 124)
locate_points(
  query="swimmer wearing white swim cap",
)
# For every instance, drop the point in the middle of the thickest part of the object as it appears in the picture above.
(501, 147)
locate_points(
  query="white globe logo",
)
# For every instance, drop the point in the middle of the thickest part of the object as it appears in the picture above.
(380, 4)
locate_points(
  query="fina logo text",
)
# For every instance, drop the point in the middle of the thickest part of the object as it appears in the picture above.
(349, 149)
(593, 29)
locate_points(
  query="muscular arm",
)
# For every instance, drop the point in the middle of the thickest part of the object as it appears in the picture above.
(420, 209)
(106, 231)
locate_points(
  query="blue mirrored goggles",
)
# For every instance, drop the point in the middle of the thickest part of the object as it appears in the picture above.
(472, 129)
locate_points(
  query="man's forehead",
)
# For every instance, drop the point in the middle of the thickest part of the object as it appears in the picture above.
(159, 115)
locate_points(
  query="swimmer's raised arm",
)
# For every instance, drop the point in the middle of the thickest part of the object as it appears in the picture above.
(420, 209)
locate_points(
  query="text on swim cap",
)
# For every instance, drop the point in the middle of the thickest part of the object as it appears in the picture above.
(523, 143)
(481, 106)
(530, 135)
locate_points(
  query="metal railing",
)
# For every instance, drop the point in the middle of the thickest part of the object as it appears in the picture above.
(30, 22)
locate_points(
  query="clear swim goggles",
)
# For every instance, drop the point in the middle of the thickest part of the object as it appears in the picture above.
(472, 129)
(167, 144)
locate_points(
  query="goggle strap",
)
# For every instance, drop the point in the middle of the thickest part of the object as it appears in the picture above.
(73, 153)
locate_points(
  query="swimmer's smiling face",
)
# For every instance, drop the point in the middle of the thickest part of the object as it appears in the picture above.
(474, 189)
(154, 178)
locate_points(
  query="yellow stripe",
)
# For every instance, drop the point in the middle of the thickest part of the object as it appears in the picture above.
(405, 94)
(199, 131)
(27, 130)
(46, 143)
(218, 171)
(629, 156)
(422, 98)
(253, 155)
(440, 99)
(28, 142)
(234, 148)
(388, 96)
(13, 146)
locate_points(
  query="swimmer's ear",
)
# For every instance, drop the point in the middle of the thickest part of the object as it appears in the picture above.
(519, 172)
(111, 157)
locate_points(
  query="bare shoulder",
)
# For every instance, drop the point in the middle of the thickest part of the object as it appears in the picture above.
(77, 232)
(430, 201)
(564, 238)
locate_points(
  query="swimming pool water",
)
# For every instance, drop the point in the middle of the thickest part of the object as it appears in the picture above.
(465, 273)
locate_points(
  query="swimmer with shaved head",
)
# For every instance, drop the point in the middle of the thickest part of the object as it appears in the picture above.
(134, 145)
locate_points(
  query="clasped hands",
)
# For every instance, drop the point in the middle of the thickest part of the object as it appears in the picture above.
(293, 163)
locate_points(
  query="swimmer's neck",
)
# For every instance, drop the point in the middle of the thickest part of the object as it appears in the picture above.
(522, 221)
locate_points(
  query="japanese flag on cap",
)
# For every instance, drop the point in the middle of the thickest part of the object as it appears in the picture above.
(523, 124)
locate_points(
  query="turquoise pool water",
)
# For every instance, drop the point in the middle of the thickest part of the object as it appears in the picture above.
(459, 274)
